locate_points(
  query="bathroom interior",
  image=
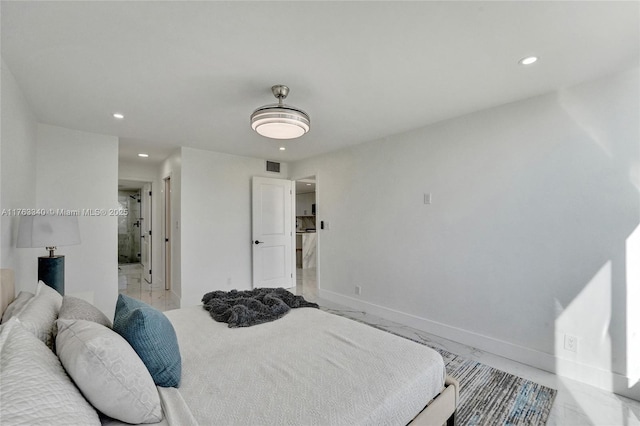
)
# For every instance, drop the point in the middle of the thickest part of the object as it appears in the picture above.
(129, 227)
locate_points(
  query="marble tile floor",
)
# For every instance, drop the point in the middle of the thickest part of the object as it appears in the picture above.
(306, 284)
(575, 403)
(131, 283)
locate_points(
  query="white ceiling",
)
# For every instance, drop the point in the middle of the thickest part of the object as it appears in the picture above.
(190, 73)
(304, 186)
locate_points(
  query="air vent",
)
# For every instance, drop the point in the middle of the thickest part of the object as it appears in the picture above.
(272, 166)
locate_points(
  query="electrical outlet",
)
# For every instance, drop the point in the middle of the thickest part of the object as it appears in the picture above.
(571, 343)
(358, 290)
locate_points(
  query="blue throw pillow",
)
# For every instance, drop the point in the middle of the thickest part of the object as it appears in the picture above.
(153, 338)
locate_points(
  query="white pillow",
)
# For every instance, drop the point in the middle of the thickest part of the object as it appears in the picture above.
(108, 371)
(40, 313)
(34, 388)
(75, 308)
(16, 305)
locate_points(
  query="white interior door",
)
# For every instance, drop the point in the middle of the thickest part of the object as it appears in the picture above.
(145, 223)
(271, 232)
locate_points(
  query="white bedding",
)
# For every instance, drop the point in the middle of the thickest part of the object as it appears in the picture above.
(309, 367)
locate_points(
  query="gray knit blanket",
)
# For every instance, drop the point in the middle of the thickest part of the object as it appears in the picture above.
(252, 307)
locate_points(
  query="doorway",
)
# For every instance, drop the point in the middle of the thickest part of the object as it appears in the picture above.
(138, 279)
(145, 231)
(134, 238)
(129, 229)
(306, 238)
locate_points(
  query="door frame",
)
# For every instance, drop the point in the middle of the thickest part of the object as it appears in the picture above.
(148, 199)
(167, 231)
(318, 233)
(136, 184)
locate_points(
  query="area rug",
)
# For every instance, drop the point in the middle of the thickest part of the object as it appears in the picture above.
(489, 396)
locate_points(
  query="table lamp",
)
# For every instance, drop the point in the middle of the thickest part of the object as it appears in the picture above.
(49, 232)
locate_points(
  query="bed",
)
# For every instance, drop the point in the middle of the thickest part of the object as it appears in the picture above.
(308, 367)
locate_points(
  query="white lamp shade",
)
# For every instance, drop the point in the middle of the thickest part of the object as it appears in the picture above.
(48, 231)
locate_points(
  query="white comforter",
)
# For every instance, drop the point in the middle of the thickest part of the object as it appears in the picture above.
(309, 367)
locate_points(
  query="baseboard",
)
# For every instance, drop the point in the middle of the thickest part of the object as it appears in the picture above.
(609, 381)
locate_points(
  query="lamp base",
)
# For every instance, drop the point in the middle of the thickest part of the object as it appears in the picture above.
(51, 272)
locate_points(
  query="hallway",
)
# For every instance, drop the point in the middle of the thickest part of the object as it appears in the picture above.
(131, 283)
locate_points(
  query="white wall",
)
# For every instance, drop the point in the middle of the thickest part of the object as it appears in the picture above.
(532, 206)
(150, 173)
(216, 221)
(172, 167)
(48, 167)
(79, 170)
(17, 178)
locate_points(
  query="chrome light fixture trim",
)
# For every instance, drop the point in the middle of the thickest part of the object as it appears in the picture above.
(280, 121)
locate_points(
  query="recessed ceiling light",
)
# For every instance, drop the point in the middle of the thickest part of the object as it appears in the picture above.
(282, 148)
(118, 115)
(143, 155)
(308, 184)
(528, 60)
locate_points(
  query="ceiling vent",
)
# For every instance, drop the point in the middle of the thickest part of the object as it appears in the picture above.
(272, 166)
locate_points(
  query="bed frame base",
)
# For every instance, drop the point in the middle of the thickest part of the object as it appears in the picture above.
(442, 409)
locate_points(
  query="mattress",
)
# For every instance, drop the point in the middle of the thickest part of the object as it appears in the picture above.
(309, 367)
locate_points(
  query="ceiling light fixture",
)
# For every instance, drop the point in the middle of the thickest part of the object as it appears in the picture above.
(280, 121)
(143, 155)
(282, 148)
(528, 60)
(118, 115)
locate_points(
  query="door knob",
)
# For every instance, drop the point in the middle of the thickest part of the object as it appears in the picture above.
(259, 242)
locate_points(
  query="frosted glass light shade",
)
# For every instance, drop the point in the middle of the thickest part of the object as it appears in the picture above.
(48, 231)
(280, 122)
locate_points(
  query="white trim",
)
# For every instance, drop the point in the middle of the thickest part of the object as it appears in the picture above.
(609, 381)
(294, 261)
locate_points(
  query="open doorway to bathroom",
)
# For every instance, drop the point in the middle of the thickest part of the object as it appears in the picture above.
(306, 238)
(129, 226)
(134, 227)
(134, 240)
